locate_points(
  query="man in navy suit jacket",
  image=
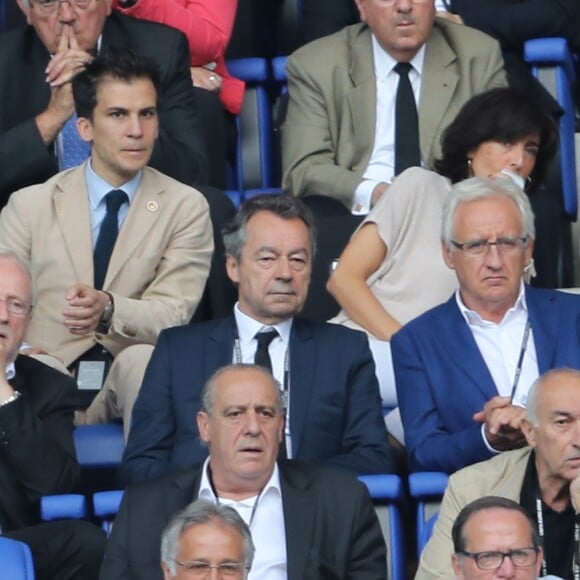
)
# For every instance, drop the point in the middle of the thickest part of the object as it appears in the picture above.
(333, 410)
(457, 365)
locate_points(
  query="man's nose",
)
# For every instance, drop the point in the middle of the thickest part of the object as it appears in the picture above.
(3, 310)
(252, 423)
(66, 13)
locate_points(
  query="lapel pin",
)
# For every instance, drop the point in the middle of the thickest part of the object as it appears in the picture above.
(152, 205)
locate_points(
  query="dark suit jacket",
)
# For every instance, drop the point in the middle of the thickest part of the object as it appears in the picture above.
(442, 378)
(332, 531)
(26, 160)
(37, 454)
(335, 407)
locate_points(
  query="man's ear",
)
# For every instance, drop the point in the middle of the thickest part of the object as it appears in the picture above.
(529, 432)
(85, 129)
(447, 255)
(25, 8)
(232, 269)
(203, 426)
(456, 563)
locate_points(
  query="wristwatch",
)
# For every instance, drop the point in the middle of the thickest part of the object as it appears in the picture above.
(107, 316)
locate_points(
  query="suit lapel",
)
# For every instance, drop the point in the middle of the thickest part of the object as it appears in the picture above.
(303, 355)
(220, 345)
(362, 99)
(463, 350)
(438, 85)
(544, 322)
(71, 206)
(185, 489)
(140, 221)
(299, 504)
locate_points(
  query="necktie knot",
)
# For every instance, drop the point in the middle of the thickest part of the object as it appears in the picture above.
(115, 199)
(403, 68)
(265, 338)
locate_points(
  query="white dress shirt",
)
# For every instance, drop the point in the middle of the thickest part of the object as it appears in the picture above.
(381, 165)
(264, 515)
(500, 345)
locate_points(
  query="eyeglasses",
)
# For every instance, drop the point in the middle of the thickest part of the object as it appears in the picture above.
(202, 570)
(521, 558)
(505, 246)
(16, 306)
(51, 6)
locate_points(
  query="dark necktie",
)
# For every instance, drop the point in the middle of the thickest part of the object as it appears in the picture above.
(108, 235)
(74, 149)
(407, 151)
(262, 357)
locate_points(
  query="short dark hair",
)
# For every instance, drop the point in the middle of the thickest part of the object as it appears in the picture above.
(123, 65)
(285, 206)
(503, 115)
(482, 504)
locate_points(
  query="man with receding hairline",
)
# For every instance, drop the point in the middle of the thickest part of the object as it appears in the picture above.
(307, 522)
(543, 478)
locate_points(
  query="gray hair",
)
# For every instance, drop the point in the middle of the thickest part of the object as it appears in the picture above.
(285, 206)
(14, 257)
(534, 391)
(207, 395)
(477, 188)
(203, 512)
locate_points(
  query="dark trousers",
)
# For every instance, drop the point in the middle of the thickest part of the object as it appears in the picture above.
(64, 549)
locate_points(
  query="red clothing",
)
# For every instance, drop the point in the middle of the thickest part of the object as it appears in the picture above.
(208, 26)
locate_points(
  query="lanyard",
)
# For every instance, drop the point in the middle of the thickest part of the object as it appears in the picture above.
(541, 532)
(285, 390)
(523, 348)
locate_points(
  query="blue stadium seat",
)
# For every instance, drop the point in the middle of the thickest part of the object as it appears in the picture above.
(63, 506)
(553, 66)
(427, 489)
(15, 560)
(99, 445)
(387, 494)
(105, 507)
(253, 166)
(426, 532)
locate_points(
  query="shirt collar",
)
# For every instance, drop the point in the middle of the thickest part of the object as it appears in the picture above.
(98, 187)
(206, 490)
(384, 63)
(474, 319)
(248, 327)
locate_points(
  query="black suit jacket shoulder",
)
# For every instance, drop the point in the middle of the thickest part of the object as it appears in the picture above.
(332, 530)
(37, 454)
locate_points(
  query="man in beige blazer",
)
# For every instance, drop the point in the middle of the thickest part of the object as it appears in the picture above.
(160, 259)
(548, 471)
(328, 138)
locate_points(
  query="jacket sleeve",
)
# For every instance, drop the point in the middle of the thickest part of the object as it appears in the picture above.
(36, 444)
(430, 444)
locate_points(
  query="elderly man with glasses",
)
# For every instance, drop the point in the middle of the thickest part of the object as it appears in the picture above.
(463, 369)
(543, 478)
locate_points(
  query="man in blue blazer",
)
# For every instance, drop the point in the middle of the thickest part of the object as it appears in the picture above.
(457, 365)
(333, 407)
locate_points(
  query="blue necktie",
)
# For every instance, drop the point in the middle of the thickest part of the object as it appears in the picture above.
(262, 357)
(74, 150)
(107, 235)
(407, 151)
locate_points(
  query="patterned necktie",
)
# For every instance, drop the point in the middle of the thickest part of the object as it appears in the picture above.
(407, 151)
(74, 150)
(262, 357)
(107, 235)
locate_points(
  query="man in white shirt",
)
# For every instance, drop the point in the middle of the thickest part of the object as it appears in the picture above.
(307, 522)
(463, 369)
(339, 136)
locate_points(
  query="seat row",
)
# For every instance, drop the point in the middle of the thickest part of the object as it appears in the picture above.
(101, 447)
